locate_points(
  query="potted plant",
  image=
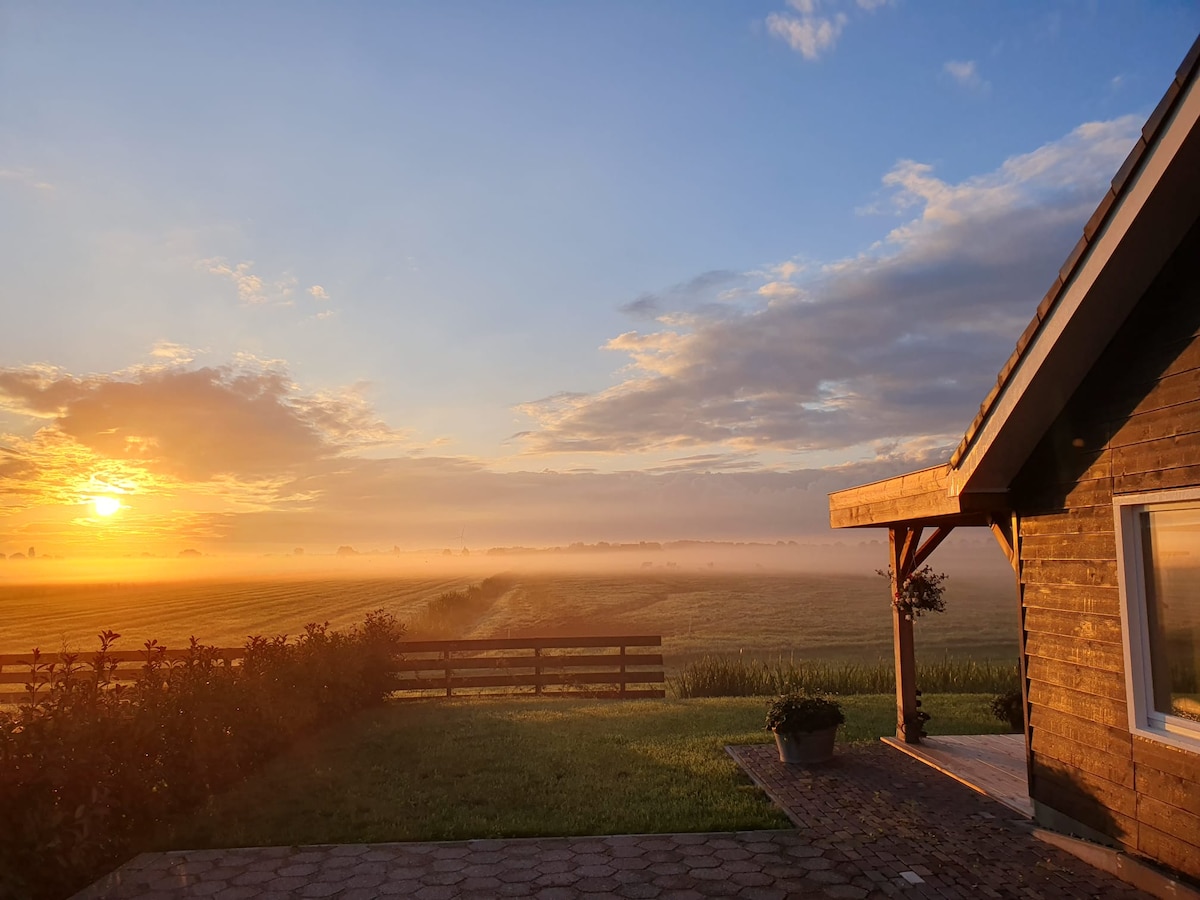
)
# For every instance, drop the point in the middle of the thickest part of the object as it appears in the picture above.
(804, 727)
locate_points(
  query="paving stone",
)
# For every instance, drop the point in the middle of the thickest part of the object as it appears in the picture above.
(761, 893)
(402, 888)
(557, 879)
(639, 891)
(595, 871)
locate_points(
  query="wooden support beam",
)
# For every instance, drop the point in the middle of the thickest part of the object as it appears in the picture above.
(908, 721)
(931, 544)
(1004, 530)
(908, 552)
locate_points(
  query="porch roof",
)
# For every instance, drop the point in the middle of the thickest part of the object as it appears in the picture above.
(1150, 207)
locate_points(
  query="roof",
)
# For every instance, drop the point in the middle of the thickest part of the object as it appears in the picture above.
(1153, 199)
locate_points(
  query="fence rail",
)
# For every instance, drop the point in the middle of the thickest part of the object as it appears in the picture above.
(17, 669)
(445, 667)
(426, 667)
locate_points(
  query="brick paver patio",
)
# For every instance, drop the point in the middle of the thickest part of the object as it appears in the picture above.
(872, 824)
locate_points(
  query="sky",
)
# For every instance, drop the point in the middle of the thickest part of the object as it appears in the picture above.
(282, 275)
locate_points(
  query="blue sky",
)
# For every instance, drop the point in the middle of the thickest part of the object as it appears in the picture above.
(636, 245)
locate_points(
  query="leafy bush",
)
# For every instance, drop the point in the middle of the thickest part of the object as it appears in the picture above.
(733, 676)
(451, 613)
(792, 713)
(1010, 707)
(87, 765)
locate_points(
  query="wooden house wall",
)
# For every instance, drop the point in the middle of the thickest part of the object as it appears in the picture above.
(1133, 426)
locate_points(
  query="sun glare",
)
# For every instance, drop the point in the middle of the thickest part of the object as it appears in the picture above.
(106, 506)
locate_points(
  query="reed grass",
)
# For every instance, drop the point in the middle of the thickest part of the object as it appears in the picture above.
(736, 676)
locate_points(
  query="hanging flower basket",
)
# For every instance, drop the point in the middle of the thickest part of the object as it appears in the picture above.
(923, 591)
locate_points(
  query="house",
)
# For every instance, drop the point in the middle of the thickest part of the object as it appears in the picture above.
(1084, 461)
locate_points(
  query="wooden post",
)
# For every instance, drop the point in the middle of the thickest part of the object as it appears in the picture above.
(622, 670)
(446, 663)
(537, 670)
(1007, 531)
(908, 723)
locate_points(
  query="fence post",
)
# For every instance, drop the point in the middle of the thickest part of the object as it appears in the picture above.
(446, 663)
(537, 670)
(622, 670)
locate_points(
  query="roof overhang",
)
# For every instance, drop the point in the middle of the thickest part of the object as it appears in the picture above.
(1117, 265)
(918, 498)
(1154, 201)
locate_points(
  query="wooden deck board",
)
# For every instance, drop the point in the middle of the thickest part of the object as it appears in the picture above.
(993, 764)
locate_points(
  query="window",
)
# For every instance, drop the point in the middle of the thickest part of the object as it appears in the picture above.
(1158, 540)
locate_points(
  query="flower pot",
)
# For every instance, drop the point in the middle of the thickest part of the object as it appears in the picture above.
(806, 748)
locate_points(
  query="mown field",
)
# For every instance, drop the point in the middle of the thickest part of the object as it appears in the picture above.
(761, 615)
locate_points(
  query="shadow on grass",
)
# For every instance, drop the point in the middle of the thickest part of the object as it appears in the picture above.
(436, 770)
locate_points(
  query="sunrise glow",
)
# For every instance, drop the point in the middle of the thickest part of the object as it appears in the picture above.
(106, 506)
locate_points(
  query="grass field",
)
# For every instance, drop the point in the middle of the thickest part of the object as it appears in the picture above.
(794, 616)
(454, 770)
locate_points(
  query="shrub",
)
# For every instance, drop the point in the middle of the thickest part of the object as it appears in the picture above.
(1010, 707)
(88, 765)
(451, 613)
(793, 713)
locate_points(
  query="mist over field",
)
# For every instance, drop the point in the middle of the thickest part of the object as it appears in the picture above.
(766, 601)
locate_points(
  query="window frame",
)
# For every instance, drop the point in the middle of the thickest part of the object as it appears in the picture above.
(1144, 719)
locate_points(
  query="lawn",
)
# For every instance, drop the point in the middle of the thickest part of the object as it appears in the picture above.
(453, 770)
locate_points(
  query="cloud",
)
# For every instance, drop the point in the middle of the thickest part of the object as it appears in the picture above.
(888, 351)
(808, 35)
(244, 421)
(318, 292)
(251, 288)
(966, 73)
(809, 30)
(704, 290)
(172, 353)
(27, 177)
(357, 502)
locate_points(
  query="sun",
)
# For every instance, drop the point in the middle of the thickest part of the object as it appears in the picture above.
(106, 506)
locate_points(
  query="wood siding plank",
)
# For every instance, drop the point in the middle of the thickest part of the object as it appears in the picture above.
(1188, 476)
(1078, 520)
(1157, 424)
(1095, 654)
(1108, 766)
(1180, 824)
(1101, 545)
(1095, 600)
(1086, 626)
(1170, 851)
(1075, 677)
(1175, 452)
(1104, 710)
(1174, 790)
(1094, 572)
(1106, 738)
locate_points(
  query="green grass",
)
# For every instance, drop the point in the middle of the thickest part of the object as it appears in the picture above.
(455, 770)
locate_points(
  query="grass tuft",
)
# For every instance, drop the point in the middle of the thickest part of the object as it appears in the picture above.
(734, 676)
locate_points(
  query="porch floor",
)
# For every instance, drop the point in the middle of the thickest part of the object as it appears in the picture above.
(993, 764)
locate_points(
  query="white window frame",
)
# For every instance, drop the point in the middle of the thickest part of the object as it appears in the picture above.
(1144, 719)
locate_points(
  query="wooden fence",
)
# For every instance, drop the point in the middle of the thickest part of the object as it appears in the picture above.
(17, 669)
(578, 667)
(606, 668)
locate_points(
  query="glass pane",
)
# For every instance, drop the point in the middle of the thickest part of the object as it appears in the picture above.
(1171, 546)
